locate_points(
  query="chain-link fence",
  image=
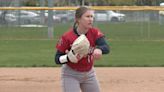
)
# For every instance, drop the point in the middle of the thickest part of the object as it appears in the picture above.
(40, 17)
(141, 24)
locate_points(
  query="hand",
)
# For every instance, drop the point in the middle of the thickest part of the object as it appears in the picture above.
(72, 57)
(97, 53)
(79, 49)
(81, 46)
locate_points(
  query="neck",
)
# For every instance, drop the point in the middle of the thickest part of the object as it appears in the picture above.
(81, 30)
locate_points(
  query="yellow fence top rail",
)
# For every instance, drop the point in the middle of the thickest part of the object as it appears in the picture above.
(132, 8)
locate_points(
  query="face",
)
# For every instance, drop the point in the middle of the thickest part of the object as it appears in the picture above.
(86, 20)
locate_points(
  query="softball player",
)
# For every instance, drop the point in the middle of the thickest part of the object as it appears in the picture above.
(81, 75)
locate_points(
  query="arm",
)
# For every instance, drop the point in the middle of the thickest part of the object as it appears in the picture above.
(60, 55)
(102, 48)
(78, 51)
(62, 58)
(102, 45)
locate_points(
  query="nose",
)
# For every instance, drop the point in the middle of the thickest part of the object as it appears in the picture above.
(91, 19)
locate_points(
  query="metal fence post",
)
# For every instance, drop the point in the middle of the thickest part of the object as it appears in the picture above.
(50, 20)
(42, 4)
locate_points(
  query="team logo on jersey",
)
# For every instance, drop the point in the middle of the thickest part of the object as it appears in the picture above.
(91, 49)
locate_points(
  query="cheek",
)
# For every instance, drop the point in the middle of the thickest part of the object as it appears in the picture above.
(83, 22)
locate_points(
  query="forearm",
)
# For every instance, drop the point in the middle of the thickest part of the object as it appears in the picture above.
(102, 45)
(104, 49)
(61, 58)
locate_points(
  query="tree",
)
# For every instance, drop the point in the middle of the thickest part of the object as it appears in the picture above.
(144, 2)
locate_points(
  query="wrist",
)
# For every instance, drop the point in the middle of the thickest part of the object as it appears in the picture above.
(97, 53)
(63, 59)
(98, 50)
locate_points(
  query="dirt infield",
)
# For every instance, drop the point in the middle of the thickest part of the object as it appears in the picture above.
(150, 79)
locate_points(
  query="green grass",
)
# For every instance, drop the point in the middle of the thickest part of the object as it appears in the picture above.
(27, 53)
(23, 33)
(132, 44)
(133, 31)
(134, 53)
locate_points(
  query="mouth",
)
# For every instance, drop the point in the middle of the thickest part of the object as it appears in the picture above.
(90, 23)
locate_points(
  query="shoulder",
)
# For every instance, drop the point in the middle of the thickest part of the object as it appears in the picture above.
(96, 32)
(65, 36)
(68, 33)
(94, 29)
(64, 42)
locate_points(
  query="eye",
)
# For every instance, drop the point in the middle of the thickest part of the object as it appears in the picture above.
(89, 16)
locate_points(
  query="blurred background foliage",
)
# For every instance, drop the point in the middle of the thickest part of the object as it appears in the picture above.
(86, 2)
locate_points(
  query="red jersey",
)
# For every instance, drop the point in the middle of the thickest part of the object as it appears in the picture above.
(86, 63)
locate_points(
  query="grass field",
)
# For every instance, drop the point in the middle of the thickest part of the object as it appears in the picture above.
(132, 44)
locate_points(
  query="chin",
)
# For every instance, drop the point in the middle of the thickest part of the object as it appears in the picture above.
(90, 26)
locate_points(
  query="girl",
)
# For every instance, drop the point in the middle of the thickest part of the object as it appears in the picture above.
(81, 75)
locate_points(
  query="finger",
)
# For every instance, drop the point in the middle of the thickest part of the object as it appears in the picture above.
(66, 51)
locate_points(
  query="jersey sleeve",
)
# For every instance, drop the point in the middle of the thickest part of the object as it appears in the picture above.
(98, 33)
(62, 44)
